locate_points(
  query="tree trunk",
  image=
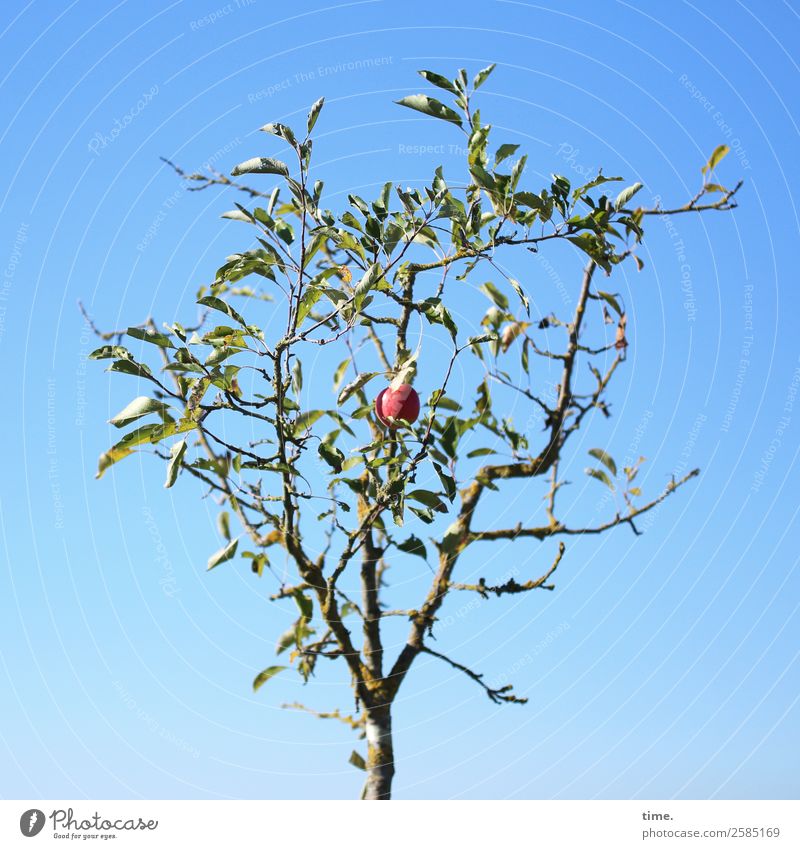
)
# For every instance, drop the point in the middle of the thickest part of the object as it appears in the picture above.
(380, 754)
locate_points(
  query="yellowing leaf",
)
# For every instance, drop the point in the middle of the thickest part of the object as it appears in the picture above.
(265, 675)
(174, 466)
(606, 459)
(141, 406)
(223, 555)
(720, 152)
(600, 475)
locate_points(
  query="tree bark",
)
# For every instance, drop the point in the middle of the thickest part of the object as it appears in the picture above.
(380, 754)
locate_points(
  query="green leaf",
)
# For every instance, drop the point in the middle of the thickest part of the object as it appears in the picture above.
(220, 354)
(516, 171)
(611, 301)
(606, 459)
(273, 199)
(147, 335)
(591, 245)
(356, 760)
(560, 186)
(360, 381)
(481, 452)
(423, 513)
(131, 367)
(625, 195)
(314, 113)
(483, 337)
(297, 376)
(281, 131)
(310, 297)
(221, 306)
(504, 151)
(141, 406)
(397, 507)
(340, 420)
(362, 411)
(223, 555)
(482, 177)
(111, 352)
(720, 152)
(438, 80)
(599, 474)
(521, 293)
(264, 217)
(430, 106)
(370, 279)
(146, 433)
(529, 199)
(443, 402)
(452, 539)
(286, 639)
(429, 499)
(448, 482)
(176, 453)
(332, 456)
(338, 375)
(307, 419)
(304, 604)
(406, 373)
(237, 215)
(482, 76)
(413, 545)
(265, 675)
(284, 230)
(494, 294)
(450, 436)
(598, 181)
(437, 313)
(261, 165)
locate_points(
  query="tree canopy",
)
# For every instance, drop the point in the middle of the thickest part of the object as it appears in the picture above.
(330, 485)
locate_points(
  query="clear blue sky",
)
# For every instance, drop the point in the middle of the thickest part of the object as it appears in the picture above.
(664, 665)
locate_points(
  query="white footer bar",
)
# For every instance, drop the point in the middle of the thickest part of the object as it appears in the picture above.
(402, 825)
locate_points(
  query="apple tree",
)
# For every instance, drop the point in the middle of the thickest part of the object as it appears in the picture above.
(346, 490)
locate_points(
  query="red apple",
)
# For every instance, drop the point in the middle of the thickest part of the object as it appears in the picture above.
(399, 403)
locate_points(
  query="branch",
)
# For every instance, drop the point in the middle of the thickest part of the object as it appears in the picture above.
(426, 615)
(459, 535)
(356, 723)
(511, 587)
(217, 179)
(594, 399)
(106, 336)
(499, 696)
(565, 396)
(723, 204)
(557, 528)
(288, 591)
